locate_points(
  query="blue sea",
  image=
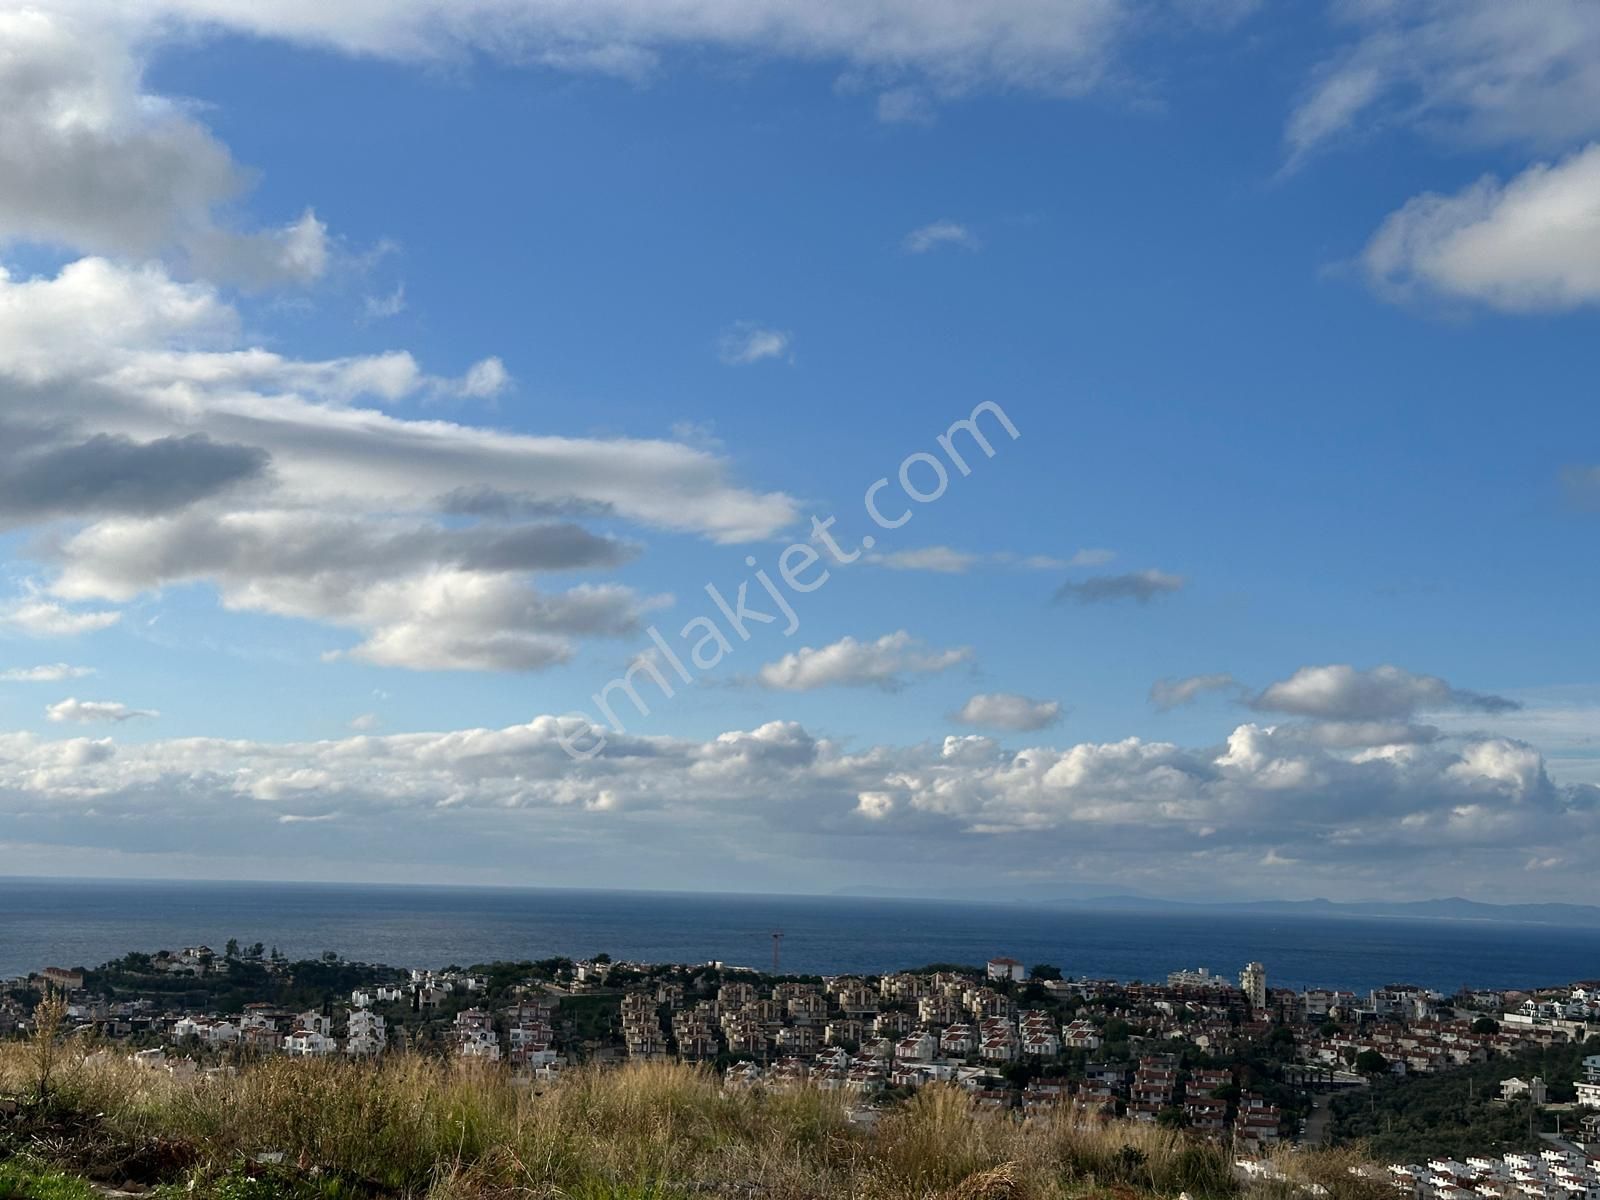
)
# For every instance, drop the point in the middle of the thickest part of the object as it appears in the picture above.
(84, 923)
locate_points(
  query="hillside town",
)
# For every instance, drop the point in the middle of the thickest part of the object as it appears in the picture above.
(1227, 1058)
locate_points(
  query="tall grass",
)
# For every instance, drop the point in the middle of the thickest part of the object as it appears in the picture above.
(413, 1126)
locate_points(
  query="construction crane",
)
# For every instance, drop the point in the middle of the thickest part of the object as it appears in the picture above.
(777, 950)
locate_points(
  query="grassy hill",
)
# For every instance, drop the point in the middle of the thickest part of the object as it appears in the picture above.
(415, 1126)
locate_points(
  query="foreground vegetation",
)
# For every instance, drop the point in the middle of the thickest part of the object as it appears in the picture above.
(413, 1126)
(1458, 1113)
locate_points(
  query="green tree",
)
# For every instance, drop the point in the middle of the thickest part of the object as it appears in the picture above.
(1370, 1062)
(1044, 972)
(1486, 1025)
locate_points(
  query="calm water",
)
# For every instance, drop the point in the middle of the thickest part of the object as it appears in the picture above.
(81, 923)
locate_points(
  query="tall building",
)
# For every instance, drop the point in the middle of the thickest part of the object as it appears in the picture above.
(1253, 983)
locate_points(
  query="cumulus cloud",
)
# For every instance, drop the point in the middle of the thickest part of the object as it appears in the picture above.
(963, 806)
(1143, 586)
(1173, 693)
(50, 673)
(93, 161)
(1527, 245)
(426, 596)
(1477, 69)
(1009, 711)
(937, 234)
(1344, 693)
(94, 315)
(183, 457)
(88, 712)
(883, 663)
(745, 343)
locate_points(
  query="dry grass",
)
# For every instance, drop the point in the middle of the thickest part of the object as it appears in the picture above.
(417, 1127)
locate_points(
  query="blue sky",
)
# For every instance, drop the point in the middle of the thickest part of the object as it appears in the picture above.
(1293, 312)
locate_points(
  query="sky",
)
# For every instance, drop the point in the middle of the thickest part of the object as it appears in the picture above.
(1156, 441)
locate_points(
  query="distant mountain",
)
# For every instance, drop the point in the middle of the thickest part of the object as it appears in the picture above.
(1453, 908)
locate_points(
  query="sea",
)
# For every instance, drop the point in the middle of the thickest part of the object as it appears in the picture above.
(69, 923)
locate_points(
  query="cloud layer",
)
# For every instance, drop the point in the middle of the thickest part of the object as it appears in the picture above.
(174, 455)
(968, 807)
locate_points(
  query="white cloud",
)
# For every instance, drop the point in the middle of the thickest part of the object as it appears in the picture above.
(937, 234)
(485, 380)
(52, 673)
(46, 618)
(965, 807)
(744, 343)
(850, 663)
(1009, 711)
(1530, 244)
(94, 315)
(391, 304)
(94, 162)
(211, 462)
(1482, 70)
(297, 253)
(425, 596)
(1061, 46)
(1344, 693)
(940, 559)
(88, 712)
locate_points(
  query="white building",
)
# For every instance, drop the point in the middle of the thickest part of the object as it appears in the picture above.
(1523, 1089)
(1253, 983)
(366, 1033)
(211, 1032)
(1005, 968)
(308, 1043)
